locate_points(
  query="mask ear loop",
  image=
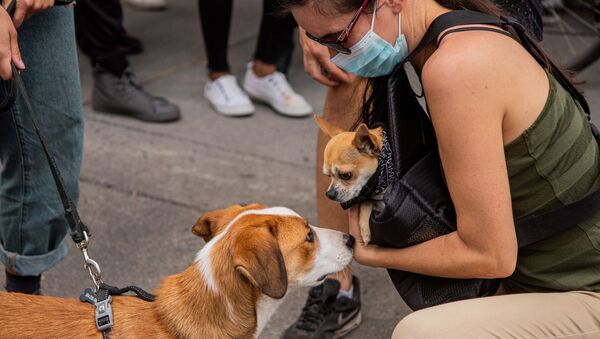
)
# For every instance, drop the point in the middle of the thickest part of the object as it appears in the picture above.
(373, 18)
(399, 24)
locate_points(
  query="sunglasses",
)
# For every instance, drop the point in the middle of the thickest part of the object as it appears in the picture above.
(336, 44)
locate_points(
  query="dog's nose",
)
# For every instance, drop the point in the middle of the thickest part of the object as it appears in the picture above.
(349, 240)
(331, 194)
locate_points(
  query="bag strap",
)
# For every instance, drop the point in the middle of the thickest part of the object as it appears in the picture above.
(543, 224)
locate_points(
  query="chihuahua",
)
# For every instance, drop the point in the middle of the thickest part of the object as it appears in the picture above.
(354, 162)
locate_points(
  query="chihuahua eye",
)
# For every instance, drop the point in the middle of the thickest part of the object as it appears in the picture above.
(309, 236)
(345, 176)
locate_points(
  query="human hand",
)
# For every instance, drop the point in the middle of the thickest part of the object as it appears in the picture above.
(26, 8)
(9, 47)
(364, 254)
(317, 63)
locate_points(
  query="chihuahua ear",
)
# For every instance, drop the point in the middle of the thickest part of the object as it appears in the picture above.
(364, 141)
(326, 127)
(259, 259)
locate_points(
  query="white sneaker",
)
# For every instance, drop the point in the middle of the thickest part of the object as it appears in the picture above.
(227, 98)
(147, 5)
(277, 92)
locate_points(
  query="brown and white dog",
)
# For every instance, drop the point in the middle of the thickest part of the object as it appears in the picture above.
(253, 254)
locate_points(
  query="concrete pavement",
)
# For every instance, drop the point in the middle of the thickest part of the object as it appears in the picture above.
(143, 186)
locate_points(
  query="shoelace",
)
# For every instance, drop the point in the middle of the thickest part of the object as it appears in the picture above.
(128, 82)
(223, 91)
(233, 89)
(279, 83)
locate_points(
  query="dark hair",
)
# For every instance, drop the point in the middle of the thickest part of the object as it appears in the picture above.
(374, 105)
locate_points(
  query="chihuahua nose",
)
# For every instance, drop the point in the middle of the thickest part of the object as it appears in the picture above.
(331, 194)
(349, 240)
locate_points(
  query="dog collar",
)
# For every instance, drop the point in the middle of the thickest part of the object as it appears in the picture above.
(365, 193)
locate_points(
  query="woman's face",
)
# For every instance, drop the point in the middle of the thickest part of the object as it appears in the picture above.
(326, 23)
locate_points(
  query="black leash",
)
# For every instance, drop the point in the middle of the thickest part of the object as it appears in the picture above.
(80, 233)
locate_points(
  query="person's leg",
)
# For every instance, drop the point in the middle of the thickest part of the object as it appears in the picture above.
(215, 19)
(222, 89)
(264, 80)
(100, 28)
(529, 315)
(275, 40)
(100, 34)
(32, 225)
(332, 308)
(342, 107)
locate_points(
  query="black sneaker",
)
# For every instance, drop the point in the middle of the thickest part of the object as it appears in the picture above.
(325, 316)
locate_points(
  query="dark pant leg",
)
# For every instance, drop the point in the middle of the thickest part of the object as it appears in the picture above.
(276, 37)
(32, 225)
(101, 35)
(215, 20)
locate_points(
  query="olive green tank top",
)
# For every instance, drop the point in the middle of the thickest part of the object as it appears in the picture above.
(556, 161)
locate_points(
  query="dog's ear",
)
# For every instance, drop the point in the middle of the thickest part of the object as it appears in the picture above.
(259, 259)
(365, 141)
(326, 127)
(205, 226)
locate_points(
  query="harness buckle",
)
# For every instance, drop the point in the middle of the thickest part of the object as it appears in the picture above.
(104, 314)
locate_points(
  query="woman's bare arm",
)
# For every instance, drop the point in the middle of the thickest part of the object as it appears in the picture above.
(467, 92)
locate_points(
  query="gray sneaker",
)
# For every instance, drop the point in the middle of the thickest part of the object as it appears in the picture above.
(121, 95)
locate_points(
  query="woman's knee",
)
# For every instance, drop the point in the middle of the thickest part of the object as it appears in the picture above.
(432, 323)
(416, 325)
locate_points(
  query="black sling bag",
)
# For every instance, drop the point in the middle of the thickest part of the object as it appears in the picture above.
(417, 205)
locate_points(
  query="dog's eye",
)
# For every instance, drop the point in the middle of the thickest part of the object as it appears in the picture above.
(309, 236)
(345, 176)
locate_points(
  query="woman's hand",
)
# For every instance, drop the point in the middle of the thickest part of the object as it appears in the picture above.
(318, 65)
(9, 48)
(27, 8)
(363, 254)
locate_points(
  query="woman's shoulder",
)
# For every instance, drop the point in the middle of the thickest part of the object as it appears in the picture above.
(475, 66)
(465, 59)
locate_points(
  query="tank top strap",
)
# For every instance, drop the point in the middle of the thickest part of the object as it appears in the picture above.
(464, 29)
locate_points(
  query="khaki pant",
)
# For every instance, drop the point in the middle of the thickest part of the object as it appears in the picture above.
(570, 315)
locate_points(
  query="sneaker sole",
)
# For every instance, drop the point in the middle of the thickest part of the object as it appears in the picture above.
(134, 115)
(287, 113)
(233, 113)
(351, 325)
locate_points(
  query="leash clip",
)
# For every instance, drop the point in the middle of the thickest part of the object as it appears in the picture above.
(104, 314)
(90, 264)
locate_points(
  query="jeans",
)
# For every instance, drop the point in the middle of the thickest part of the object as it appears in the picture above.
(32, 225)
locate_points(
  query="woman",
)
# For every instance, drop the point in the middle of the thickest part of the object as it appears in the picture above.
(512, 141)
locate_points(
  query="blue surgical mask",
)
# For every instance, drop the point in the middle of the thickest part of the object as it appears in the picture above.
(372, 56)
